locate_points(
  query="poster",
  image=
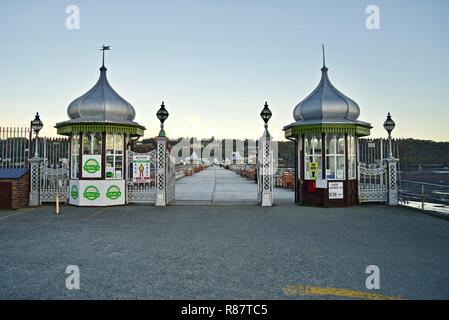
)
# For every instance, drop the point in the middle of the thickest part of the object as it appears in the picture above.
(141, 167)
(335, 190)
(91, 167)
(313, 166)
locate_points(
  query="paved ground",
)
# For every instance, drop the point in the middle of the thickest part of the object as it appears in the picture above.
(220, 252)
(215, 186)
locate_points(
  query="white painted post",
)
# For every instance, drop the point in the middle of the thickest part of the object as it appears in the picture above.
(266, 170)
(392, 181)
(35, 182)
(161, 177)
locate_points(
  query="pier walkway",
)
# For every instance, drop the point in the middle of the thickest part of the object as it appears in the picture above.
(218, 186)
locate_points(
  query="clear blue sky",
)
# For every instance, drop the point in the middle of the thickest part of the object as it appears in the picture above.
(215, 63)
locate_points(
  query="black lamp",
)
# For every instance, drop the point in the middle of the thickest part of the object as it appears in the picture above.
(162, 115)
(36, 126)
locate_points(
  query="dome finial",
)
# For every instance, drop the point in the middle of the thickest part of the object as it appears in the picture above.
(324, 68)
(104, 48)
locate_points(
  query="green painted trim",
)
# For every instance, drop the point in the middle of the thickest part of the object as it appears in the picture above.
(328, 128)
(98, 127)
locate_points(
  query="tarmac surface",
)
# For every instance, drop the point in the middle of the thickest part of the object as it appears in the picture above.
(223, 252)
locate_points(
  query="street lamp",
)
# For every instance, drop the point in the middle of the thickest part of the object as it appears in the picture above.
(389, 126)
(266, 114)
(162, 115)
(36, 126)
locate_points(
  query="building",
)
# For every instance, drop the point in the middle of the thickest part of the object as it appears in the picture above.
(326, 132)
(101, 125)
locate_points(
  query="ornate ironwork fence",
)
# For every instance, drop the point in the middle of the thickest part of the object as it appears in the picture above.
(54, 169)
(15, 147)
(377, 173)
(373, 182)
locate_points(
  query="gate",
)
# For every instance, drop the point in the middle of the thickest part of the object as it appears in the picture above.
(54, 169)
(141, 178)
(373, 182)
(374, 168)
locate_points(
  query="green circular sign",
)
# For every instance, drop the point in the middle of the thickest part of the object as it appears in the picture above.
(91, 165)
(91, 193)
(113, 192)
(74, 192)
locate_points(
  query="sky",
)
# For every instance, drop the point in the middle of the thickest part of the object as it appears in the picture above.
(216, 62)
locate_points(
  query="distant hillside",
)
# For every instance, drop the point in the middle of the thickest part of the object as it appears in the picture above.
(412, 152)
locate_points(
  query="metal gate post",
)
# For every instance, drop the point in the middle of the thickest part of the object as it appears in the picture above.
(392, 181)
(161, 160)
(266, 160)
(161, 171)
(266, 171)
(35, 181)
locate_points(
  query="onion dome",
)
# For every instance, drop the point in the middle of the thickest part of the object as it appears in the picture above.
(101, 103)
(326, 104)
(101, 109)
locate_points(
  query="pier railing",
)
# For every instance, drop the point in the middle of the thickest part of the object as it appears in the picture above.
(424, 196)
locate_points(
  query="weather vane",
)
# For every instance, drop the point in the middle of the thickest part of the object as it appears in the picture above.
(104, 48)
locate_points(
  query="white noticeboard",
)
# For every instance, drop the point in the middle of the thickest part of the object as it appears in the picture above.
(321, 184)
(141, 167)
(335, 190)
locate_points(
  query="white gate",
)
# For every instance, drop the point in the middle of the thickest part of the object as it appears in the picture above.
(54, 169)
(54, 180)
(373, 182)
(141, 178)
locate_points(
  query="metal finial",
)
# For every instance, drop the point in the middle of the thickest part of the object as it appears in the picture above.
(324, 56)
(104, 48)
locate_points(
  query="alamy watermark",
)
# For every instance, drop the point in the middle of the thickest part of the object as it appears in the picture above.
(72, 21)
(372, 21)
(373, 280)
(72, 282)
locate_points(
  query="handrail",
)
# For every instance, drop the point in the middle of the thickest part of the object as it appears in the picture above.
(424, 183)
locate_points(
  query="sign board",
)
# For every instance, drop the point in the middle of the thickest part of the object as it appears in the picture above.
(141, 167)
(313, 167)
(335, 190)
(97, 193)
(91, 167)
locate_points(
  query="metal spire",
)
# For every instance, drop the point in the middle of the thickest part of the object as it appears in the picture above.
(324, 68)
(104, 48)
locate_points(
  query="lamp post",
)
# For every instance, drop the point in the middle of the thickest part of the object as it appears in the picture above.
(36, 125)
(162, 115)
(389, 126)
(34, 197)
(391, 163)
(266, 183)
(161, 160)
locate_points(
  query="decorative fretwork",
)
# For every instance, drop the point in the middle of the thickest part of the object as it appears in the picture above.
(392, 181)
(372, 182)
(54, 180)
(161, 171)
(357, 129)
(265, 181)
(132, 130)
